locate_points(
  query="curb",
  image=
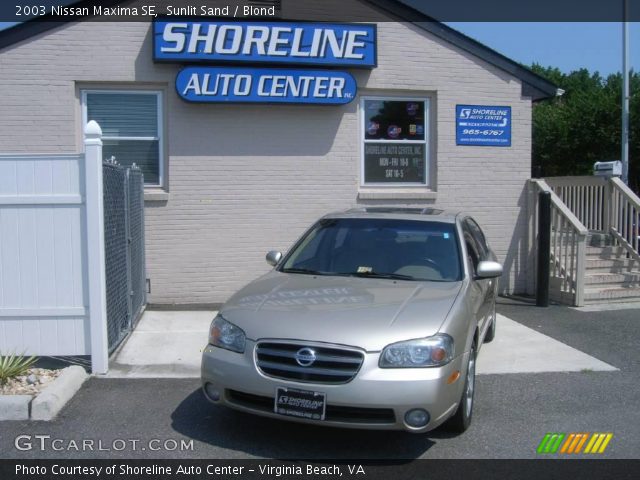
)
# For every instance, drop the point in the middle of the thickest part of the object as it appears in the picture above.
(14, 407)
(51, 400)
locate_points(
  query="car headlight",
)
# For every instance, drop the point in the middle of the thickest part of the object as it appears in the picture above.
(422, 352)
(226, 335)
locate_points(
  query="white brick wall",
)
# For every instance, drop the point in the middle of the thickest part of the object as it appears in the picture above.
(245, 179)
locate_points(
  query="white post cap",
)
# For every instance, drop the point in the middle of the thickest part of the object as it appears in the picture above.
(92, 133)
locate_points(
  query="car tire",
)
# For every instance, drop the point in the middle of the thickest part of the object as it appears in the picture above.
(461, 420)
(491, 331)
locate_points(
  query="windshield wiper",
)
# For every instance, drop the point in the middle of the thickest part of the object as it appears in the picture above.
(307, 271)
(394, 276)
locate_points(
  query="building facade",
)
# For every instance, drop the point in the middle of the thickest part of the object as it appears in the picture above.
(229, 181)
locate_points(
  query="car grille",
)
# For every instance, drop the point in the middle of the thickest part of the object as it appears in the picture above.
(334, 413)
(332, 364)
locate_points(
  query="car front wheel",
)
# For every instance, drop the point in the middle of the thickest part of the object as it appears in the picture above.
(461, 420)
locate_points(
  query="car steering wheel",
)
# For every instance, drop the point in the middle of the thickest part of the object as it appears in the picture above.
(433, 264)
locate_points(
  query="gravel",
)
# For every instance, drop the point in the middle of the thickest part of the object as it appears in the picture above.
(32, 383)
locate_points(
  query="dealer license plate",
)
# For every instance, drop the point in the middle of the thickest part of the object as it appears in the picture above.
(300, 403)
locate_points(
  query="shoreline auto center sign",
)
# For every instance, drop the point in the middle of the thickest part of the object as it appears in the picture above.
(483, 125)
(252, 85)
(290, 44)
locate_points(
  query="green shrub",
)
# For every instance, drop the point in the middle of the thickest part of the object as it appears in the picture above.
(14, 365)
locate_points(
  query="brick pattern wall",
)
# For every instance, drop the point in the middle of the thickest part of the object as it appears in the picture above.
(244, 179)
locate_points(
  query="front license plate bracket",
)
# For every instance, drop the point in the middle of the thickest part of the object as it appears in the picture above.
(300, 403)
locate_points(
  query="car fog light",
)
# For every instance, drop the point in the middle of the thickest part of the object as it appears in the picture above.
(417, 418)
(212, 392)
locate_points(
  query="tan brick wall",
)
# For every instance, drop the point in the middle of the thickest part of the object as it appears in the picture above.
(244, 179)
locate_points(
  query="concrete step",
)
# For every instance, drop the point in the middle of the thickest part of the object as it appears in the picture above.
(596, 239)
(611, 295)
(610, 265)
(606, 252)
(626, 279)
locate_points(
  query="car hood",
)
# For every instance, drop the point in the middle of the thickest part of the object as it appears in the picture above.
(368, 313)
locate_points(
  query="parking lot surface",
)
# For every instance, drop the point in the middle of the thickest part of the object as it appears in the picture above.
(152, 417)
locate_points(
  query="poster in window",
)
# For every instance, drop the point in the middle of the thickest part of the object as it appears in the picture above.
(394, 120)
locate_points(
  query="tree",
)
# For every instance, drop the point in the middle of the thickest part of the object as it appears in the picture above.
(572, 132)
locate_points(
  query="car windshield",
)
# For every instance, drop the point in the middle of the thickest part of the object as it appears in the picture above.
(378, 248)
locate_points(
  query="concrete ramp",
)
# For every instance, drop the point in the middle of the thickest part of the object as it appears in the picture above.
(520, 349)
(164, 344)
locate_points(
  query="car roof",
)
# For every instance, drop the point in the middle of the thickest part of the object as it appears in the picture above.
(400, 213)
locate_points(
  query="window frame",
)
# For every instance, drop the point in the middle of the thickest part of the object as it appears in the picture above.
(471, 248)
(479, 237)
(426, 142)
(160, 123)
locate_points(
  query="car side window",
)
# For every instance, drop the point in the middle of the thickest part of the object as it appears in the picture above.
(478, 236)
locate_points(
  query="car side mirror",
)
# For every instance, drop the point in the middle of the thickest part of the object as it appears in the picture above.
(488, 269)
(273, 257)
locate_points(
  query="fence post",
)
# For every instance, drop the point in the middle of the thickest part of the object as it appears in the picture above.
(606, 207)
(127, 229)
(580, 270)
(544, 249)
(95, 247)
(532, 206)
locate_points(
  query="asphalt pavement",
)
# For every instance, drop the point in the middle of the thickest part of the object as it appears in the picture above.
(151, 418)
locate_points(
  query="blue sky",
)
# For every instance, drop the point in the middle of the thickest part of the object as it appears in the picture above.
(568, 46)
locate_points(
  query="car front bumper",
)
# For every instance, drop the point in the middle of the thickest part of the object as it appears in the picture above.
(375, 398)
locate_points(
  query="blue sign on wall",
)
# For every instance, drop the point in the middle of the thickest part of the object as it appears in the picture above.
(483, 125)
(325, 44)
(265, 85)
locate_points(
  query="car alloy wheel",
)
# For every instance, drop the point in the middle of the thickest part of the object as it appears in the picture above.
(470, 384)
(461, 420)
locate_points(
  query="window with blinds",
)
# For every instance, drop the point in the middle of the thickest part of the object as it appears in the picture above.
(131, 123)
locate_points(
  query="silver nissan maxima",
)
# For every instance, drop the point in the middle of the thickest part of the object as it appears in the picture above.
(373, 319)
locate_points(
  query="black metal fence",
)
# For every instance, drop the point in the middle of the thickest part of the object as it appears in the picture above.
(124, 249)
